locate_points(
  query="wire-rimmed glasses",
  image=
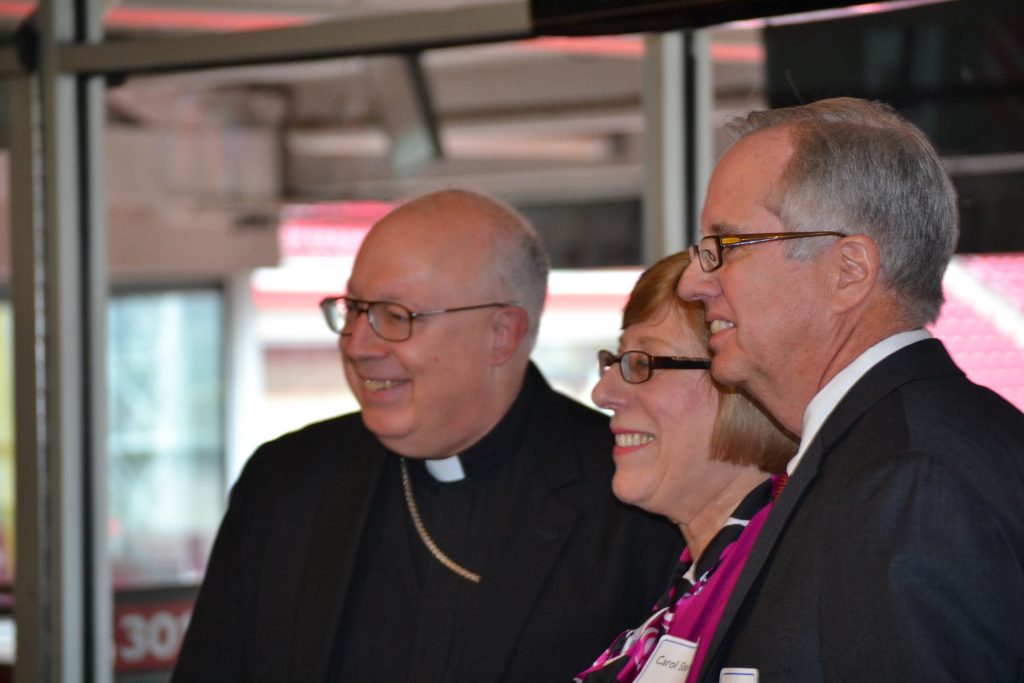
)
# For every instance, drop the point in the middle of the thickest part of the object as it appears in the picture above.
(638, 366)
(389, 320)
(709, 249)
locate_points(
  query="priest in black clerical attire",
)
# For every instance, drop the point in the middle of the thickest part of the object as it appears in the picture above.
(461, 526)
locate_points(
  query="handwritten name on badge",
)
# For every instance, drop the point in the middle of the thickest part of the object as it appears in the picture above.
(670, 662)
(737, 674)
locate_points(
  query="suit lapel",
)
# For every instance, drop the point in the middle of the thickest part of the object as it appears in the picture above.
(333, 547)
(517, 571)
(921, 359)
(515, 585)
(849, 408)
(766, 539)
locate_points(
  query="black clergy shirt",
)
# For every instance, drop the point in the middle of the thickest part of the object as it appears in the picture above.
(401, 621)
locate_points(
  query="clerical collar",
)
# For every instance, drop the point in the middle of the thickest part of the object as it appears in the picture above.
(492, 450)
(446, 469)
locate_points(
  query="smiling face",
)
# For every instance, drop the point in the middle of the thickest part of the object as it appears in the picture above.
(440, 391)
(663, 426)
(764, 309)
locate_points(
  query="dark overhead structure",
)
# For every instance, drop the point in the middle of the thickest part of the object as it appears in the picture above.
(595, 17)
(956, 68)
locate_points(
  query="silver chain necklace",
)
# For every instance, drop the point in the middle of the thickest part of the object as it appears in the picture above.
(414, 513)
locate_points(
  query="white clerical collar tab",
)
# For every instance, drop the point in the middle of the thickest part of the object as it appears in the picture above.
(446, 469)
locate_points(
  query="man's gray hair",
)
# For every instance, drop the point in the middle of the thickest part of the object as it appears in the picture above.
(518, 264)
(521, 263)
(859, 167)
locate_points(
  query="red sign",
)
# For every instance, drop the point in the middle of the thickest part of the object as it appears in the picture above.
(333, 229)
(148, 635)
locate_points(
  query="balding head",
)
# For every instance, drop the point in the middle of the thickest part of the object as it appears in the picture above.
(489, 246)
(471, 275)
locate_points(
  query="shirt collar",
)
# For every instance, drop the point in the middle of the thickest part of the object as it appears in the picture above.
(446, 469)
(829, 396)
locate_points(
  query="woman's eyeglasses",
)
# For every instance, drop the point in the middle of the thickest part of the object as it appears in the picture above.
(639, 366)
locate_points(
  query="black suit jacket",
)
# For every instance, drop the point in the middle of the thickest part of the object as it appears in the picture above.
(578, 566)
(896, 551)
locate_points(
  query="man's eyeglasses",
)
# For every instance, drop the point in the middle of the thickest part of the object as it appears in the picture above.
(638, 366)
(709, 250)
(390, 321)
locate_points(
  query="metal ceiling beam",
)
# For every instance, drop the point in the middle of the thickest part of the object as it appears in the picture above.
(333, 38)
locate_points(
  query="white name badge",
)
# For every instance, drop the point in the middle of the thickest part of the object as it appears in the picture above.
(670, 662)
(736, 674)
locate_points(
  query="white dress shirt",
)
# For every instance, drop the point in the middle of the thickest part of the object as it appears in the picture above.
(825, 401)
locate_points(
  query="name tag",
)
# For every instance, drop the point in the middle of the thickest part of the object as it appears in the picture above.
(670, 662)
(735, 674)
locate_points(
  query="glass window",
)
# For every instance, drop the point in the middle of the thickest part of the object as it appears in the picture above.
(166, 463)
(166, 437)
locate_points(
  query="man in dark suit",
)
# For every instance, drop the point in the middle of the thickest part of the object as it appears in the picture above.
(896, 551)
(461, 527)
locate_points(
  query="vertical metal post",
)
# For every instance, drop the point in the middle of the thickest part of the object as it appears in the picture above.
(678, 112)
(700, 106)
(94, 288)
(88, 123)
(664, 154)
(58, 248)
(33, 585)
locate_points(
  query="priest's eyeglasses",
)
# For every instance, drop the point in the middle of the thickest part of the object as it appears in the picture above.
(638, 366)
(390, 321)
(709, 250)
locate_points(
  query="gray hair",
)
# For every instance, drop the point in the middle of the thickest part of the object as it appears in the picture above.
(859, 167)
(521, 263)
(518, 263)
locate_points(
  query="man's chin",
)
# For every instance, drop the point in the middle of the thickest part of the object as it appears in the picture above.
(406, 443)
(391, 432)
(726, 371)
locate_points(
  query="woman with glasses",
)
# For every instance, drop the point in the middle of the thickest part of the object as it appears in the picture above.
(686, 448)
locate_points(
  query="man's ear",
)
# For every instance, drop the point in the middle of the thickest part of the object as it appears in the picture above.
(857, 269)
(509, 325)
